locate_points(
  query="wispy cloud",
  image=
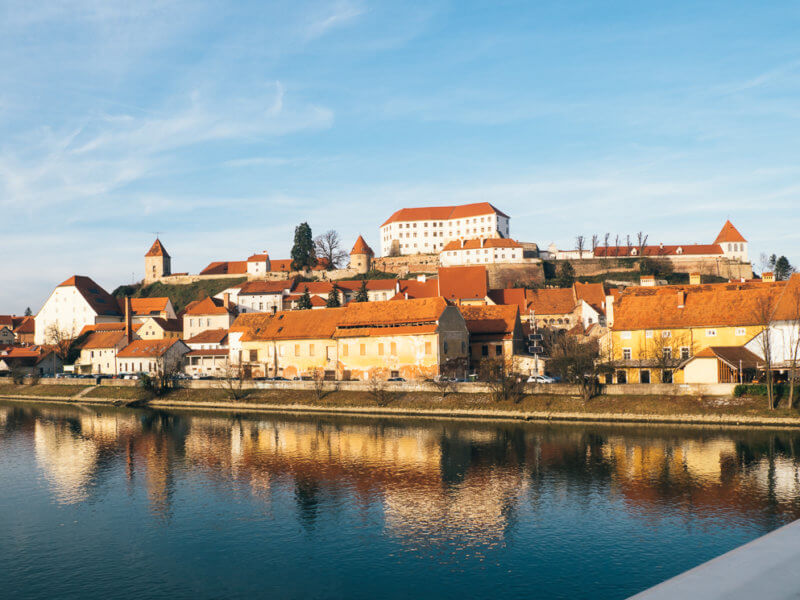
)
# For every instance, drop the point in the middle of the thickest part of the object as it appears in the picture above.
(332, 16)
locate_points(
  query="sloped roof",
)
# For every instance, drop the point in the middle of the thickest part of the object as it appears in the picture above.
(27, 325)
(209, 336)
(101, 302)
(206, 306)
(7, 321)
(729, 233)
(707, 305)
(103, 339)
(418, 289)
(661, 250)
(551, 301)
(428, 213)
(117, 326)
(247, 321)
(297, 324)
(147, 348)
(593, 294)
(475, 244)
(232, 267)
(491, 319)
(141, 307)
(317, 301)
(157, 249)
(165, 324)
(510, 296)
(463, 283)
(399, 312)
(361, 247)
(256, 288)
(732, 355)
(258, 257)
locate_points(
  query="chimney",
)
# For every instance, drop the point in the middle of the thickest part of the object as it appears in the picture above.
(483, 241)
(609, 310)
(681, 299)
(274, 309)
(462, 242)
(647, 281)
(226, 300)
(128, 325)
(768, 277)
(694, 279)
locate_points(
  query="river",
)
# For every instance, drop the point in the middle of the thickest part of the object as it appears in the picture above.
(99, 502)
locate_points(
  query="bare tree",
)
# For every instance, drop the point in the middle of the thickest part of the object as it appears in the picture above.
(628, 243)
(378, 389)
(580, 244)
(329, 250)
(445, 382)
(232, 381)
(61, 340)
(595, 242)
(506, 382)
(163, 379)
(764, 315)
(663, 352)
(606, 237)
(579, 362)
(321, 386)
(616, 245)
(791, 342)
(641, 242)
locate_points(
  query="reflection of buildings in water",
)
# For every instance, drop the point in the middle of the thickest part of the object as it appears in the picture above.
(473, 512)
(779, 477)
(67, 460)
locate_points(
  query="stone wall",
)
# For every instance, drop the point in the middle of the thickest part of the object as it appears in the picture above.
(403, 265)
(719, 267)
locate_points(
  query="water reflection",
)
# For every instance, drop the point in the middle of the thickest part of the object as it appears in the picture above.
(434, 484)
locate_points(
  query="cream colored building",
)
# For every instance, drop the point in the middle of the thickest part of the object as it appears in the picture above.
(481, 251)
(207, 314)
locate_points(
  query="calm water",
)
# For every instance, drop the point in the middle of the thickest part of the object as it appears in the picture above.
(123, 503)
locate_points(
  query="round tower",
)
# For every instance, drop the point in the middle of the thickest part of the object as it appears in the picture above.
(361, 257)
(157, 263)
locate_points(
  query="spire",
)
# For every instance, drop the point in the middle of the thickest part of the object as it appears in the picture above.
(157, 249)
(729, 233)
(361, 247)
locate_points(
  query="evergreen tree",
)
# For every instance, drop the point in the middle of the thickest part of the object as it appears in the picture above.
(303, 255)
(28, 312)
(783, 269)
(566, 277)
(333, 298)
(361, 294)
(305, 301)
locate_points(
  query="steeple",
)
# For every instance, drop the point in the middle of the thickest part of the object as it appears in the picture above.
(361, 256)
(729, 233)
(157, 249)
(157, 262)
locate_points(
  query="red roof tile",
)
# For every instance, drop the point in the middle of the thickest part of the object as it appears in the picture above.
(463, 283)
(361, 247)
(27, 325)
(209, 336)
(399, 312)
(551, 301)
(428, 213)
(147, 348)
(593, 294)
(729, 233)
(98, 299)
(234, 267)
(497, 320)
(255, 288)
(103, 339)
(475, 244)
(157, 249)
(673, 250)
(206, 306)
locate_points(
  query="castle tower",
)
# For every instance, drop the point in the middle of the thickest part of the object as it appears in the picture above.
(361, 257)
(157, 263)
(732, 242)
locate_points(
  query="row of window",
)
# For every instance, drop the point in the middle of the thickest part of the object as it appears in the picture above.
(626, 335)
(380, 349)
(685, 352)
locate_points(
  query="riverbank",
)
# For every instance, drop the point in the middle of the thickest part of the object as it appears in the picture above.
(629, 409)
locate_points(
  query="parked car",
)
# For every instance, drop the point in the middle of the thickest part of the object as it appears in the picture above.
(395, 379)
(540, 379)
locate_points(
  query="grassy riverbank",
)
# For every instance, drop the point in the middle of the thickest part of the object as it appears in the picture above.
(622, 408)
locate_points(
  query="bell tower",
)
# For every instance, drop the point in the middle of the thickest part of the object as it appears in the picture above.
(157, 263)
(361, 257)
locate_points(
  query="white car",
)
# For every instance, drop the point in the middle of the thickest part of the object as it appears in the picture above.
(540, 379)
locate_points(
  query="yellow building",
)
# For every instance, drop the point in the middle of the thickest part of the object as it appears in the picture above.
(412, 339)
(655, 331)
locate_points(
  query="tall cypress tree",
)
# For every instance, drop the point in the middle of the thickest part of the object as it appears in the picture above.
(361, 294)
(333, 298)
(305, 301)
(303, 255)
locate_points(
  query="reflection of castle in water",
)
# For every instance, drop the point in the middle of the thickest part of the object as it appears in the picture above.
(432, 480)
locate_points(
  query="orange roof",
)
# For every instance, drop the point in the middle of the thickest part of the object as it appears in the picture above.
(417, 289)
(233, 267)
(103, 339)
(708, 305)
(729, 233)
(510, 296)
(255, 288)
(372, 285)
(27, 325)
(788, 306)
(443, 212)
(385, 331)
(98, 299)
(551, 301)
(147, 348)
(735, 356)
(661, 250)
(317, 301)
(165, 324)
(463, 283)
(248, 321)
(297, 324)
(118, 326)
(206, 306)
(145, 306)
(209, 336)
(157, 249)
(491, 319)
(258, 257)
(399, 312)
(481, 243)
(281, 264)
(361, 247)
(593, 294)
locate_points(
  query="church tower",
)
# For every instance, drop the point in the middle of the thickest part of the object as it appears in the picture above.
(361, 257)
(157, 263)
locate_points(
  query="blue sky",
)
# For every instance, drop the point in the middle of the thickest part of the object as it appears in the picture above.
(224, 124)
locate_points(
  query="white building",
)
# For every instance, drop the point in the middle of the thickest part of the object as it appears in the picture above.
(427, 230)
(151, 356)
(75, 303)
(207, 314)
(480, 251)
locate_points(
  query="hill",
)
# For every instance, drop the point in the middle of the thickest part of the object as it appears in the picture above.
(180, 295)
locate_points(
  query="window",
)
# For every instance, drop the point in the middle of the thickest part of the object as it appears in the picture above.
(740, 331)
(498, 350)
(380, 349)
(427, 347)
(485, 350)
(648, 334)
(626, 354)
(666, 334)
(666, 376)
(297, 349)
(644, 376)
(684, 352)
(393, 348)
(667, 353)
(445, 348)
(253, 355)
(311, 349)
(711, 333)
(625, 335)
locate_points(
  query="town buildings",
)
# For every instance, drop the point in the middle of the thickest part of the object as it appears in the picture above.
(481, 251)
(152, 356)
(428, 230)
(205, 314)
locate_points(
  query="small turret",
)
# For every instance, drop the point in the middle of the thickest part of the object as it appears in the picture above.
(361, 257)
(157, 263)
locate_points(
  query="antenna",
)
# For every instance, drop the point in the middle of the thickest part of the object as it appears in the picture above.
(158, 233)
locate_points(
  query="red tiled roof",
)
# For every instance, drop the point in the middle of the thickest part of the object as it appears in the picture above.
(206, 306)
(258, 257)
(729, 233)
(254, 288)
(27, 325)
(491, 319)
(428, 213)
(361, 247)
(417, 289)
(165, 324)
(7, 321)
(209, 352)
(118, 326)
(734, 356)
(98, 299)
(157, 249)
(551, 301)
(463, 283)
(399, 312)
(475, 244)
(385, 331)
(593, 294)
(209, 336)
(281, 264)
(147, 348)
(233, 267)
(674, 250)
(317, 301)
(708, 305)
(145, 306)
(103, 339)
(248, 321)
(296, 324)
